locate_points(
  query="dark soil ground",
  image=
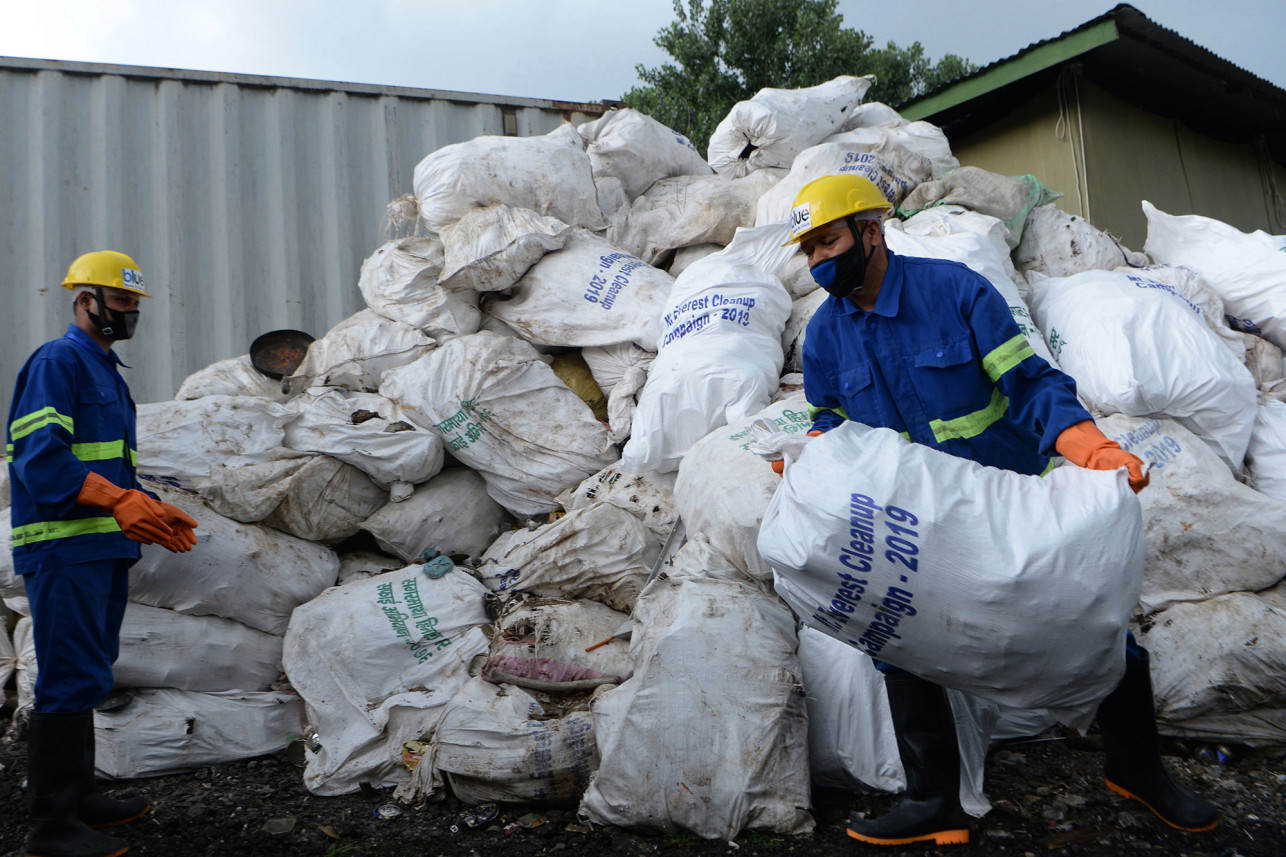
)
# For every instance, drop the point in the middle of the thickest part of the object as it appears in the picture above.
(1048, 795)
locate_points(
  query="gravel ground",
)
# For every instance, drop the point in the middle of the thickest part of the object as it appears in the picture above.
(1048, 796)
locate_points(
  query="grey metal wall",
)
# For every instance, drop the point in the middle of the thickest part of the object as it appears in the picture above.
(248, 202)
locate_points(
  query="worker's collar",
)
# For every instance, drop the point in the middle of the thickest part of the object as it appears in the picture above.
(890, 297)
(83, 339)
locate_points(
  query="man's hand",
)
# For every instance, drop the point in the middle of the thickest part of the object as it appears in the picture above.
(140, 517)
(183, 525)
(1086, 446)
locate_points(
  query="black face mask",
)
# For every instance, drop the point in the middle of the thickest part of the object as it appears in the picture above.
(843, 275)
(113, 323)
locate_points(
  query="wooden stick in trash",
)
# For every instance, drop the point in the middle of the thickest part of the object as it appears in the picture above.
(600, 643)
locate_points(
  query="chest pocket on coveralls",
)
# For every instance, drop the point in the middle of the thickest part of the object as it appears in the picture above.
(949, 379)
(855, 390)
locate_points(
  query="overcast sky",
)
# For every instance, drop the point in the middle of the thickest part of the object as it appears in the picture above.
(572, 50)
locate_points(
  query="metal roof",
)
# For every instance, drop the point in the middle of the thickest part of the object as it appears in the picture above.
(1129, 55)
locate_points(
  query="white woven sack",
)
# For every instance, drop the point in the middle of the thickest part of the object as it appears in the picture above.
(8, 656)
(723, 489)
(588, 293)
(600, 553)
(870, 153)
(490, 248)
(175, 731)
(356, 353)
(1266, 455)
(706, 737)
(235, 376)
(451, 514)
(638, 150)
(778, 124)
(1247, 270)
(499, 744)
(376, 660)
(946, 236)
(4, 488)
(24, 667)
(687, 211)
(1219, 670)
(247, 572)
(550, 175)
(400, 282)
(1265, 362)
(503, 412)
(1189, 285)
(685, 256)
(609, 364)
(647, 496)
(326, 501)
(1137, 347)
(367, 431)
(546, 643)
(720, 352)
(1207, 533)
(921, 137)
(1013, 588)
(162, 648)
(851, 742)
(1058, 244)
(179, 441)
(795, 332)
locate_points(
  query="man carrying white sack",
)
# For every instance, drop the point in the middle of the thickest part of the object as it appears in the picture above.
(929, 348)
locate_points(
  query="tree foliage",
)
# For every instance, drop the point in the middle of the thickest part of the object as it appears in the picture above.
(725, 51)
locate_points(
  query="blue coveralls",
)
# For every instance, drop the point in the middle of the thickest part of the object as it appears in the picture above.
(71, 413)
(941, 360)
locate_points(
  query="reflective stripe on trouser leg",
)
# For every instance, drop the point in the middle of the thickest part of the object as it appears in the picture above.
(76, 611)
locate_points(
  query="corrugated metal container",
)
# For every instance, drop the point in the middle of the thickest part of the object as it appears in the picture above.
(248, 202)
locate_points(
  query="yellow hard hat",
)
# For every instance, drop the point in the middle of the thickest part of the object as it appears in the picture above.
(832, 198)
(106, 268)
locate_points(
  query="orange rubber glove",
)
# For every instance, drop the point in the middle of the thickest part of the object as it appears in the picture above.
(183, 526)
(1086, 446)
(141, 518)
(779, 466)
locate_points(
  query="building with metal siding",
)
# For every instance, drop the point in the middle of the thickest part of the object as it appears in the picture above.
(1119, 110)
(249, 202)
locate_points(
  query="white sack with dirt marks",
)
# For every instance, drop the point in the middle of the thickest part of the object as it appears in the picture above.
(647, 496)
(555, 645)
(551, 175)
(400, 282)
(671, 759)
(251, 573)
(1266, 455)
(588, 293)
(921, 137)
(1058, 244)
(502, 411)
(326, 500)
(356, 353)
(235, 376)
(775, 125)
(490, 248)
(723, 489)
(162, 648)
(1208, 534)
(451, 514)
(638, 150)
(179, 731)
(688, 211)
(601, 553)
(1219, 669)
(376, 660)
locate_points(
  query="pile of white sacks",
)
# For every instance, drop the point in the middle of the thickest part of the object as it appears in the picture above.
(515, 528)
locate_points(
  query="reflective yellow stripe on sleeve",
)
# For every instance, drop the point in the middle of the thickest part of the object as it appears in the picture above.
(971, 425)
(103, 451)
(1005, 357)
(44, 531)
(25, 425)
(814, 411)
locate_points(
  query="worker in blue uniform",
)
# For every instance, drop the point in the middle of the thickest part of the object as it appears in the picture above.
(78, 517)
(928, 348)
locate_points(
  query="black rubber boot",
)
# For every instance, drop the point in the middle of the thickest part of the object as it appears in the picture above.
(56, 782)
(97, 809)
(926, 735)
(1127, 720)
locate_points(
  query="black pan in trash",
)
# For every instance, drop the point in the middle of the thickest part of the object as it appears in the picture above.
(278, 353)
